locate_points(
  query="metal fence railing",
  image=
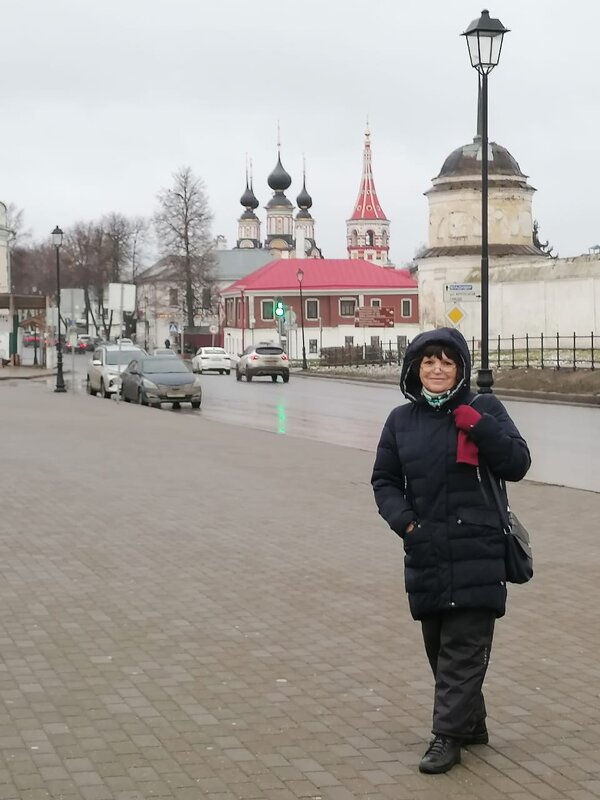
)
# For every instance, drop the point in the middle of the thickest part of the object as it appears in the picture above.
(541, 351)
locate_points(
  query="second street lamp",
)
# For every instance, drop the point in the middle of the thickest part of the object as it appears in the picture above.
(300, 276)
(484, 39)
(57, 239)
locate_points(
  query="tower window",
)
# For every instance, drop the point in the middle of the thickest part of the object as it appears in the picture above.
(354, 238)
(370, 239)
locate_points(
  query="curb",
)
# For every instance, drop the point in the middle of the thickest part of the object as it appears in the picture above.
(532, 396)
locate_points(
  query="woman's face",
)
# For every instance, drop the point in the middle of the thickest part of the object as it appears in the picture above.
(437, 374)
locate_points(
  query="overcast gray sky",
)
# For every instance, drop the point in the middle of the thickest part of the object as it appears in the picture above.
(102, 100)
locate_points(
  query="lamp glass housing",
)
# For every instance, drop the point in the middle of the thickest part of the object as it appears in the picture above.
(484, 39)
(57, 237)
(300, 275)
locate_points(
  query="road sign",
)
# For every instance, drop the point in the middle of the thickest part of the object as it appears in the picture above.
(373, 317)
(173, 327)
(462, 292)
(456, 315)
(213, 329)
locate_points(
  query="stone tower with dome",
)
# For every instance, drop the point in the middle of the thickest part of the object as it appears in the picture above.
(453, 253)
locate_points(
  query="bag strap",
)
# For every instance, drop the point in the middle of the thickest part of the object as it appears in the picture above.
(493, 482)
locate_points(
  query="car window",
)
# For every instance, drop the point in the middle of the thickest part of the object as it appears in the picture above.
(98, 355)
(271, 350)
(213, 351)
(150, 366)
(118, 357)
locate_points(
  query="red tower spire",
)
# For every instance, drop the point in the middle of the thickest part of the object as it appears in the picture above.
(367, 205)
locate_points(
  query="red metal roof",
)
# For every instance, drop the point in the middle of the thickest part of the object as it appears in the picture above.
(322, 273)
(367, 205)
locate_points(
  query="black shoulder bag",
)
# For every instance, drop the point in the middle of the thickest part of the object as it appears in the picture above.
(518, 556)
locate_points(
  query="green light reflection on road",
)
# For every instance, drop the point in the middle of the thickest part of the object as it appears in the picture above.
(280, 418)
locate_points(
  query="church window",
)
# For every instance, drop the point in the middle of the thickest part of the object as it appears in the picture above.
(279, 225)
(354, 238)
(370, 239)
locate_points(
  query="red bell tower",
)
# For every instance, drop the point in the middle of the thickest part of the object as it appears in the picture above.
(368, 229)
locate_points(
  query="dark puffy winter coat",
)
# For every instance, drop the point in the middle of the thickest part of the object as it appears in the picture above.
(454, 557)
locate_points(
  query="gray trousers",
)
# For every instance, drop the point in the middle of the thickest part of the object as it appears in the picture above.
(458, 645)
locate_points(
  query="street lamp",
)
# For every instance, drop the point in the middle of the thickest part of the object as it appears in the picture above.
(243, 313)
(484, 39)
(300, 276)
(57, 239)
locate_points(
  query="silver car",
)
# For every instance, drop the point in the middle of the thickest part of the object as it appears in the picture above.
(105, 368)
(264, 358)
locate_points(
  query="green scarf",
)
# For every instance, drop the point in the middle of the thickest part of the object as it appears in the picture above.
(436, 400)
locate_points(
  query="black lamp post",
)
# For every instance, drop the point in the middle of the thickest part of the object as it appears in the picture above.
(484, 39)
(57, 239)
(300, 276)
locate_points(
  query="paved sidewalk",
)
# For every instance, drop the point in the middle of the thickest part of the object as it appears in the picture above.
(192, 610)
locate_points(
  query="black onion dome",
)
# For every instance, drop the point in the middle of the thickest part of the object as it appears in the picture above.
(279, 180)
(466, 160)
(304, 200)
(248, 199)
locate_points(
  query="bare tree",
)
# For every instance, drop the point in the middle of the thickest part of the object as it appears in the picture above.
(139, 234)
(182, 224)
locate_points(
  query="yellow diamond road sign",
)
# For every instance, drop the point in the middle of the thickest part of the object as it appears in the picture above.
(455, 315)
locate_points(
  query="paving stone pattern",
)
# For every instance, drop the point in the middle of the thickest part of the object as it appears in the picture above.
(193, 610)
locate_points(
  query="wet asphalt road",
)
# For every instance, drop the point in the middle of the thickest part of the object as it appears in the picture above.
(562, 438)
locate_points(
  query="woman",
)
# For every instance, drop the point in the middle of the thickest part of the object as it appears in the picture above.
(430, 491)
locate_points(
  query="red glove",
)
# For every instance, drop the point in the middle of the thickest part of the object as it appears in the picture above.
(466, 450)
(465, 417)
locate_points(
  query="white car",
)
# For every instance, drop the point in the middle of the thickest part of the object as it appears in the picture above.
(211, 359)
(106, 366)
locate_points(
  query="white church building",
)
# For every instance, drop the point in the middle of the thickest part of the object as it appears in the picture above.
(531, 292)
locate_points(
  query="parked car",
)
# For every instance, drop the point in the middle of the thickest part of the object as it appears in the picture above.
(265, 358)
(31, 339)
(164, 351)
(106, 366)
(211, 359)
(79, 346)
(156, 380)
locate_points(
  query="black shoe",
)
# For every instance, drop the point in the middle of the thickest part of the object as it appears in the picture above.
(479, 735)
(442, 754)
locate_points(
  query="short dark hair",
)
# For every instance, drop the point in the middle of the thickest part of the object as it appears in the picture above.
(437, 351)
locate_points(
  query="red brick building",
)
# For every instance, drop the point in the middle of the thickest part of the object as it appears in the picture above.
(333, 291)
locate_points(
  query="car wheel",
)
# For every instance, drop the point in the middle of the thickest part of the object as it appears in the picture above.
(195, 403)
(248, 376)
(89, 390)
(274, 378)
(199, 370)
(176, 405)
(238, 376)
(155, 405)
(141, 399)
(103, 391)
(227, 372)
(286, 378)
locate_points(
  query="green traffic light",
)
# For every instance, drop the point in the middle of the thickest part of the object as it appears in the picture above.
(279, 308)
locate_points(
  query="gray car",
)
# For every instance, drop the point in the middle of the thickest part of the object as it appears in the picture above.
(155, 380)
(264, 358)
